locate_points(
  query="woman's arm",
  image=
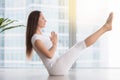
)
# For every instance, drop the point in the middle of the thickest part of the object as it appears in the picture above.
(106, 27)
(41, 47)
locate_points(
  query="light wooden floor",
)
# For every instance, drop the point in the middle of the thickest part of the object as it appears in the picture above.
(74, 74)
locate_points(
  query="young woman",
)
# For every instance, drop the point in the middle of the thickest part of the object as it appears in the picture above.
(46, 46)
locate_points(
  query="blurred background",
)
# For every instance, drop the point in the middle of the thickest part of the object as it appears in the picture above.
(73, 20)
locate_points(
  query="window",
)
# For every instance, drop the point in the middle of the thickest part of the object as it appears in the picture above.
(87, 19)
(12, 42)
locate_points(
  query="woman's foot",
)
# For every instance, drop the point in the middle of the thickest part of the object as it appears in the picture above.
(108, 25)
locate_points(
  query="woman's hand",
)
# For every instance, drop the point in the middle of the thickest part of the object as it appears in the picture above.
(108, 25)
(54, 38)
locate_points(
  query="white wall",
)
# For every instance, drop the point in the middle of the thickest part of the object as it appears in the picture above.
(114, 38)
(91, 15)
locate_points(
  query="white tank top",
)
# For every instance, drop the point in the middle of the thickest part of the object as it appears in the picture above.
(47, 42)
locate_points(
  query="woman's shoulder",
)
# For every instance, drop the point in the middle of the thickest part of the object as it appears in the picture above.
(41, 37)
(36, 37)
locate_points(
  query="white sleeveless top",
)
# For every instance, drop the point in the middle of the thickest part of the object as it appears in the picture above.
(47, 42)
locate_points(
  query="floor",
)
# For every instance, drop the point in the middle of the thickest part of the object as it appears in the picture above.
(74, 74)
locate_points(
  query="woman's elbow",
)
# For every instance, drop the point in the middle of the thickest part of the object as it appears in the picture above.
(49, 56)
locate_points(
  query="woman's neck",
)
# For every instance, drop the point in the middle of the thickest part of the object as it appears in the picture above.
(38, 31)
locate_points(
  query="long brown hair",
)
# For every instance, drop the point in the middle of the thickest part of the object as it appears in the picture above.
(31, 29)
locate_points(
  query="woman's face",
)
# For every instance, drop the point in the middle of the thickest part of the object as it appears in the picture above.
(41, 21)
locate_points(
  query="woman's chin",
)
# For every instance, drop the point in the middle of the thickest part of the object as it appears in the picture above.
(43, 27)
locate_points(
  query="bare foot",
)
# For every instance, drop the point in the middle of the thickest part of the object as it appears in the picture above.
(108, 24)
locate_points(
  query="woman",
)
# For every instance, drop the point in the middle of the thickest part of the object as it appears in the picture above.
(46, 46)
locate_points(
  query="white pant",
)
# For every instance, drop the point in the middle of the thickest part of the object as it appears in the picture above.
(64, 62)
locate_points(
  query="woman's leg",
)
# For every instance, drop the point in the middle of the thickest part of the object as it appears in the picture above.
(106, 27)
(64, 62)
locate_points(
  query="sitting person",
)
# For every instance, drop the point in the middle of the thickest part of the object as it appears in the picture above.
(46, 46)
